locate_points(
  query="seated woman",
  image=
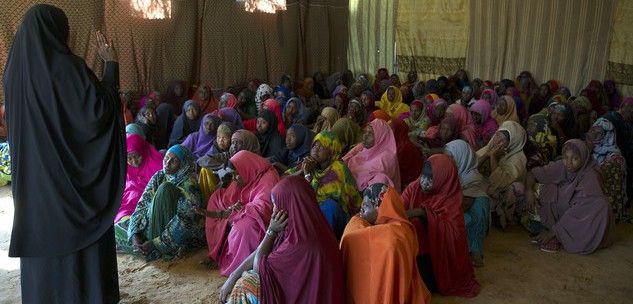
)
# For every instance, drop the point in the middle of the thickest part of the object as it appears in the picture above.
(505, 110)
(187, 123)
(436, 112)
(213, 172)
(348, 132)
(274, 107)
(227, 100)
(379, 251)
(341, 103)
(410, 159)
(326, 120)
(540, 147)
(147, 120)
(298, 261)
(465, 124)
(375, 157)
(331, 179)
(205, 100)
(418, 121)
(136, 129)
(476, 204)
(143, 161)
(357, 112)
(490, 96)
(391, 102)
(607, 155)
(573, 209)
(237, 216)
(562, 123)
(294, 112)
(164, 223)
(298, 143)
(485, 125)
(271, 143)
(434, 206)
(437, 136)
(503, 162)
(246, 106)
(232, 117)
(201, 142)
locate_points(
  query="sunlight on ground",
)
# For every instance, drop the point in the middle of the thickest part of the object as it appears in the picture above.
(6, 223)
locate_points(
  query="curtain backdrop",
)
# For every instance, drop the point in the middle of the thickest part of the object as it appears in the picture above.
(432, 37)
(205, 41)
(566, 40)
(620, 67)
(372, 34)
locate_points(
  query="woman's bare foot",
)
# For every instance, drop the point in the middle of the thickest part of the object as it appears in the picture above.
(209, 263)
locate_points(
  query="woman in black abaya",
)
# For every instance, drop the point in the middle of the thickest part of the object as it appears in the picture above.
(68, 161)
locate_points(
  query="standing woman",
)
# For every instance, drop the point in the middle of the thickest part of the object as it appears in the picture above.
(63, 232)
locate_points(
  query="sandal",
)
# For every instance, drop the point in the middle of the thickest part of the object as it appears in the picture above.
(552, 246)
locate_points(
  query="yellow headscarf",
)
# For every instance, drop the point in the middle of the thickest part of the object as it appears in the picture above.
(393, 108)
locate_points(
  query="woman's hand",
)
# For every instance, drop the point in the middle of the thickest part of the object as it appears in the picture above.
(104, 49)
(227, 287)
(308, 165)
(145, 248)
(278, 221)
(496, 151)
(235, 207)
(200, 211)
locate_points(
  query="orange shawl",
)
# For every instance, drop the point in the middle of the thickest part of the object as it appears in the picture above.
(380, 259)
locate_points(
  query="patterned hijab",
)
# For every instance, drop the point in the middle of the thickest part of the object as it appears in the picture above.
(187, 168)
(604, 147)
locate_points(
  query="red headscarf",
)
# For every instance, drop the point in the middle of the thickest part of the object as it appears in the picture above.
(275, 107)
(409, 157)
(305, 264)
(207, 106)
(443, 236)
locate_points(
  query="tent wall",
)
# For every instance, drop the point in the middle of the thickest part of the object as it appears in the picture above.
(213, 42)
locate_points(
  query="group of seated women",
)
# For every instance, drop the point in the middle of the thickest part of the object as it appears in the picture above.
(325, 195)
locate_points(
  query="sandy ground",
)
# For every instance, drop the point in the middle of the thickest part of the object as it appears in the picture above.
(514, 272)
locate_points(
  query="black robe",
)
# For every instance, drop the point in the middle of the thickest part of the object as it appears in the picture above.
(68, 159)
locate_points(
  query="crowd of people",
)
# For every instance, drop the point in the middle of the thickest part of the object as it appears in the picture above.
(408, 177)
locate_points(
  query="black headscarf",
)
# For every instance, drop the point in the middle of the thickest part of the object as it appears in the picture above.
(67, 139)
(271, 144)
(183, 125)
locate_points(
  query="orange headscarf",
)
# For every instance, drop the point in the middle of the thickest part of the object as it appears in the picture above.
(380, 259)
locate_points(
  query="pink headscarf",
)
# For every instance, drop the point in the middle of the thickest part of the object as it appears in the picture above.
(138, 177)
(247, 226)
(465, 124)
(378, 163)
(493, 95)
(431, 109)
(488, 126)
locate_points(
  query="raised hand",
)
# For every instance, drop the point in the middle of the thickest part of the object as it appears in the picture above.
(104, 49)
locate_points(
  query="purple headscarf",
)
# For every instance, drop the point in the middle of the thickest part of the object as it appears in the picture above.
(200, 143)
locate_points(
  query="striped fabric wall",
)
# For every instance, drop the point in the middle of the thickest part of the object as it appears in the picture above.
(620, 66)
(566, 40)
(372, 33)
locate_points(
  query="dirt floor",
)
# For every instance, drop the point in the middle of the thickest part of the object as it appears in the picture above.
(515, 271)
